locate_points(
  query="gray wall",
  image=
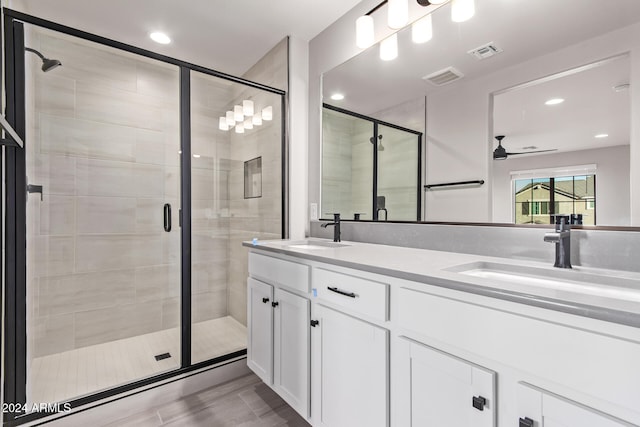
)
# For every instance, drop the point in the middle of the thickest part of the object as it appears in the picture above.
(589, 248)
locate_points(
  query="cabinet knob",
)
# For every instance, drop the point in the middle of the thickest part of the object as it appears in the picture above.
(479, 402)
(265, 300)
(274, 304)
(525, 422)
(315, 323)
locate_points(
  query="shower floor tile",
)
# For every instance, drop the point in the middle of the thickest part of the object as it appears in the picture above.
(70, 374)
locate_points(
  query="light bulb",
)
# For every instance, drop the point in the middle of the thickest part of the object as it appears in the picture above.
(256, 119)
(238, 115)
(223, 125)
(398, 14)
(422, 30)
(364, 32)
(267, 113)
(239, 128)
(160, 37)
(247, 107)
(230, 119)
(389, 48)
(248, 123)
(462, 10)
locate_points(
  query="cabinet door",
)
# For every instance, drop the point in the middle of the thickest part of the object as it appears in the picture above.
(438, 389)
(291, 350)
(350, 371)
(539, 408)
(260, 329)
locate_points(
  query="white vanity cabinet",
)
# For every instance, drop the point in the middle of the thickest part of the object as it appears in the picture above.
(350, 372)
(348, 347)
(539, 408)
(438, 389)
(278, 328)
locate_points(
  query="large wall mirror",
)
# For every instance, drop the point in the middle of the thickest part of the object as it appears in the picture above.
(530, 101)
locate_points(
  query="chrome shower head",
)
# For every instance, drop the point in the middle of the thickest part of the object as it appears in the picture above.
(47, 64)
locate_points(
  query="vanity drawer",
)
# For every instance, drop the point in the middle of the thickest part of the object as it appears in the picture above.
(355, 294)
(279, 271)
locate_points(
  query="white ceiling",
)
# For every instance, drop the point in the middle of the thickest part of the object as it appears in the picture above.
(226, 35)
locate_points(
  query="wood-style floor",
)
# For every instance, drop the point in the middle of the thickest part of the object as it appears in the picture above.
(244, 402)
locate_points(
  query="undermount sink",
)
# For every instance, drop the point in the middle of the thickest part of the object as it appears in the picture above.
(315, 244)
(569, 280)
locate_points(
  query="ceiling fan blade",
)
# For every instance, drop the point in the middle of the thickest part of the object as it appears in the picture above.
(529, 152)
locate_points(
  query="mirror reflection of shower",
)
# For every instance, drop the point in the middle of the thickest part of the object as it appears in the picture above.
(380, 146)
(47, 64)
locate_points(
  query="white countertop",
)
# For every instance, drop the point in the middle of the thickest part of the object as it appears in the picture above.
(616, 298)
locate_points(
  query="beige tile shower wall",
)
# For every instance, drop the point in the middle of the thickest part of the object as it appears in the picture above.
(104, 144)
(210, 197)
(337, 132)
(259, 217)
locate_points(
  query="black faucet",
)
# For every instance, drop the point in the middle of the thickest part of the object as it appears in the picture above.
(562, 238)
(336, 225)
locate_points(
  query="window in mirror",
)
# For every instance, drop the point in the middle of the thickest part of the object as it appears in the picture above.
(538, 199)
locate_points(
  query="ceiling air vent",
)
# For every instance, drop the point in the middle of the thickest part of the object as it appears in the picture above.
(443, 77)
(485, 51)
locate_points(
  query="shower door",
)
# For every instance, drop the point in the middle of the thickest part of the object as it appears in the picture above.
(102, 154)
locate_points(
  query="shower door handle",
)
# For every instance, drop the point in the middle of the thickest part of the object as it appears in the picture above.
(167, 217)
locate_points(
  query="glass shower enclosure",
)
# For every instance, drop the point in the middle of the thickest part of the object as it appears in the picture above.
(134, 171)
(370, 168)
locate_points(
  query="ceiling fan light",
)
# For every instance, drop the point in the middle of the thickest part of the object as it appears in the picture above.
(462, 10)
(422, 29)
(389, 48)
(364, 32)
(398, 14)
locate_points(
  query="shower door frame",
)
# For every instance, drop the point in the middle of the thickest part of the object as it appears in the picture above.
(13, 169)
(376, 123)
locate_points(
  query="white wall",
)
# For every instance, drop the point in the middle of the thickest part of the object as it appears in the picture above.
(459, 146)
(612, 181)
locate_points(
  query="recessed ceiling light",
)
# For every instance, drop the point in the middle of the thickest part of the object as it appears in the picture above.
(159, 37)
(554, 101)
(601, 135)
(337, 97)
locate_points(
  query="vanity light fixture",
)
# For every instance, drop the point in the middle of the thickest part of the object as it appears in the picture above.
(364, 31)
(267, 113)
(238, 115)
(247, 107)
(337, 97)
(223, 125)
(248, 123)
(160, 37)
(398, 14)
(462, 10)
(554, 101)
(231, 121)
(256, 119)
(422, 29)
(601, 135)
(389, 48)
(240, 128)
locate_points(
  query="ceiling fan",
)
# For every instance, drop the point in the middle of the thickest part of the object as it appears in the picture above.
(501, 154)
